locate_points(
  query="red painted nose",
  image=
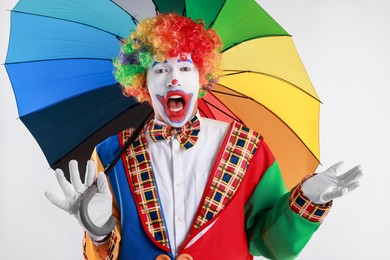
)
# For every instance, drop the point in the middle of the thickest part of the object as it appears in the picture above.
(175, 82)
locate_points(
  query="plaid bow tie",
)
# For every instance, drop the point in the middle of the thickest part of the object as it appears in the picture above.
(187, 134)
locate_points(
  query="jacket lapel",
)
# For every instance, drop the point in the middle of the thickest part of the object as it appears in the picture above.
(143, 186)
(229, 169)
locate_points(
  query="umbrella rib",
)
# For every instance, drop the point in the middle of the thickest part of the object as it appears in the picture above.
(67, 20)
(281, 120)
(230, 94)
(69, 152)
(216, 17)
(214, 117)
(135, 21)
(236, 72)
(235, 119)
(157, 11)
(253, 38)
(184, 9)
(133, 136)
(31, 61)
(201, 110)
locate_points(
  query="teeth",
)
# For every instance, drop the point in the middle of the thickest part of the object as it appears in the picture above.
(176, 109)
(175, 97)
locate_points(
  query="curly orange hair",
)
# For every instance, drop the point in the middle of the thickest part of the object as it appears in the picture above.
(162, 37)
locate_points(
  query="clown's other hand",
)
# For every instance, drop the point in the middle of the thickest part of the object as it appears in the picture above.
(326, 186)
(100, 207)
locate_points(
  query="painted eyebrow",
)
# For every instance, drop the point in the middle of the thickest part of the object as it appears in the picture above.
(156, 62)
(187, 60)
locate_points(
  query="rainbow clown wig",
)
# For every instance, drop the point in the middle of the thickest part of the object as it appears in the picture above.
(161, 37)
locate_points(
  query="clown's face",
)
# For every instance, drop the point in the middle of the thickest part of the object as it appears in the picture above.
(173, 86)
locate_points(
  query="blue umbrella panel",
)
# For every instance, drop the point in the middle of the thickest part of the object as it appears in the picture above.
(60, 66)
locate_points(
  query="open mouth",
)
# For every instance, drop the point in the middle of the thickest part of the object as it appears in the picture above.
(176, 104)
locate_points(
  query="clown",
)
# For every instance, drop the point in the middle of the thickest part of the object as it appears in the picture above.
(191, 187)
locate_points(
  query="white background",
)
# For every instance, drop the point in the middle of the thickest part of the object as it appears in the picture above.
(344, 45)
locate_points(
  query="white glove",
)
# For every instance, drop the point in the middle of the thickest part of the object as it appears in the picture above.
(326, 186)
(99, 208)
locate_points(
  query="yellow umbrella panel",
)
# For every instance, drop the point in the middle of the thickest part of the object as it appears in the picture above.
(266, 86)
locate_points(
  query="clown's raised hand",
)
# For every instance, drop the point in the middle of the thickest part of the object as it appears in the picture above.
(326, 186)
(100, 207)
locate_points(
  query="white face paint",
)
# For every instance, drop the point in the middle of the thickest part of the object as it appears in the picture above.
(173, 86)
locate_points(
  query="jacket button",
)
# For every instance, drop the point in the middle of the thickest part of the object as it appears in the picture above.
(184, 257)
(163, 257)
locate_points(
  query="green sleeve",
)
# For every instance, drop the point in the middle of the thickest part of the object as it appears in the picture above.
(274, 230)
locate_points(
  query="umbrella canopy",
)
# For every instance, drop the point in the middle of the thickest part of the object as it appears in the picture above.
(60, 57)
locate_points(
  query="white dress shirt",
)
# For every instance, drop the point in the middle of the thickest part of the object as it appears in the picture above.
(181, 176)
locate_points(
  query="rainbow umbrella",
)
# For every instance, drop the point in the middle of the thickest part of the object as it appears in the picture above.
(59, 62)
